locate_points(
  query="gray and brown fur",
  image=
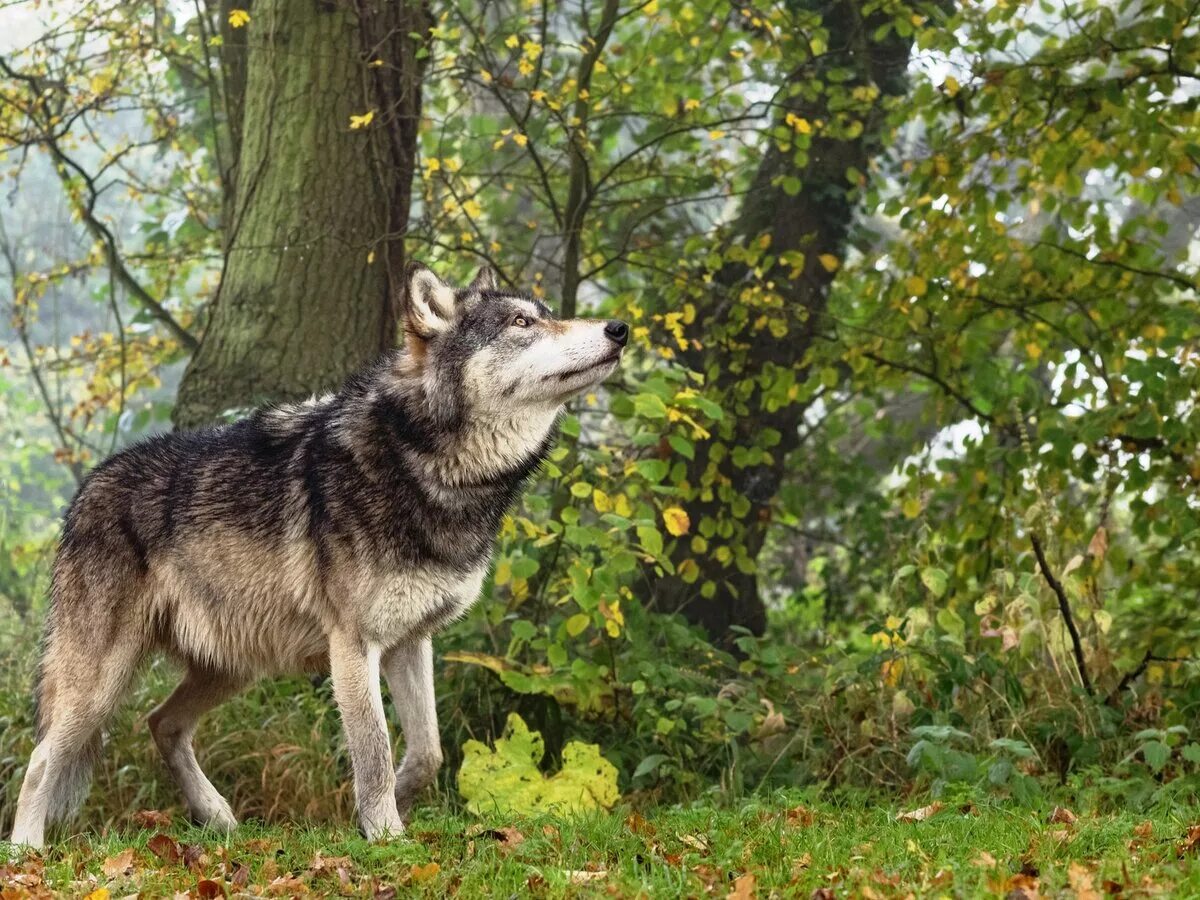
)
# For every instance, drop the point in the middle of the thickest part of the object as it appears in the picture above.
(333, 535)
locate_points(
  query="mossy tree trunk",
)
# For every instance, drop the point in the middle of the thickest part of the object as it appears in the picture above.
(738, 501)
(318, 208)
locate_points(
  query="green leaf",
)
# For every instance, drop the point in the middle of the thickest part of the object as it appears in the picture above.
(507, 780)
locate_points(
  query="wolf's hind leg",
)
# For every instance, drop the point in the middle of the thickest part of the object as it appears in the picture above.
(81, 686)
(409, 672)
(173, 725)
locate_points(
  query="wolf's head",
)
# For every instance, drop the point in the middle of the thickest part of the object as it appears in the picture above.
(484, 351)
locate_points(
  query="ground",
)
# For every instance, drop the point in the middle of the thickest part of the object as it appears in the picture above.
(790, 845)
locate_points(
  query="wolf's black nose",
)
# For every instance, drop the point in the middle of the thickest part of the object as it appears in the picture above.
(618, 332)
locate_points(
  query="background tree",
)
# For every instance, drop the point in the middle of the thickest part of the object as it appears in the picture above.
(322, 142)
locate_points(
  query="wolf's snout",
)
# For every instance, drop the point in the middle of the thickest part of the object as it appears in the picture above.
(617, 332)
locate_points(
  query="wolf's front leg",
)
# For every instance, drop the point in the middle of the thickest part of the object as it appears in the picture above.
(409, 672)
(355, 670)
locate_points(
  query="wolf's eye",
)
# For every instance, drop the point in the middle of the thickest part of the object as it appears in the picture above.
(520, 321)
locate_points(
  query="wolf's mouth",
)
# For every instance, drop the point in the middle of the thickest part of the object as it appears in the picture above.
(571, 373)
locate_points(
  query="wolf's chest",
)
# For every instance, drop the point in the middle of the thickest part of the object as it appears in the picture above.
(419, 601)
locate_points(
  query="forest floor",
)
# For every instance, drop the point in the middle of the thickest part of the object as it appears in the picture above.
(788, 846)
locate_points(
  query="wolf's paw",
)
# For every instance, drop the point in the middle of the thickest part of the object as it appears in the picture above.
(218, 817)
(381, 826)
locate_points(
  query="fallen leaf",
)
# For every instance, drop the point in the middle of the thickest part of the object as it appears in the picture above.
(1192, 842)
(1063, 816)
(287, 884)
(165, 848)
(582, 876)
(695, 841)
(240, 877)
(152, 818)
(984, 860)
(801, 817)
(744, 887)
(384, 892)
(207, 889)
(427, 872)
(822, 893)
(920, 815)
(1082, 882)
(98, 894)
(120, 864)
(194, 857)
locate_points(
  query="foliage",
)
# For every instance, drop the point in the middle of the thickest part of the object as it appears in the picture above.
(506, 780)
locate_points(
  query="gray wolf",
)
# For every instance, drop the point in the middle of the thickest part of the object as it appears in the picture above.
(333, 535)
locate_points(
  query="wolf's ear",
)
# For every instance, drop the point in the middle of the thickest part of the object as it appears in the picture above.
(429, 303)
(485, 280)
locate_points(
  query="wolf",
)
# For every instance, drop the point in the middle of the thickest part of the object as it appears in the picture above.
(335, 535)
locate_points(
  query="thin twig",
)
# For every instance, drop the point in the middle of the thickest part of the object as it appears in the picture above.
(1064, 607)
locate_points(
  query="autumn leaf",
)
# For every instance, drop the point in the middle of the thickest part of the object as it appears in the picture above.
(677, 521)
(920, 815)
(238, 18)
(362, 121)
(829, 262)
(152, 818)
(1062, 816)
(422, 874)
(120, 864)
(744, 888)
(165, 848)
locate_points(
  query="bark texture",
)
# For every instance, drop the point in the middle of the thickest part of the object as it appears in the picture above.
(816, 221)
(319, 209)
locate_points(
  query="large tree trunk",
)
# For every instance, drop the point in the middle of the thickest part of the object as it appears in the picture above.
(816, 222)
(314, 240)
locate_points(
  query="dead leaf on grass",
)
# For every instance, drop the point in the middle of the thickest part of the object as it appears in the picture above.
(152, 818)
(1063, 816)
(1191, 842)
(695, 841)
(920, 815)
(165, 848)
(745, 887)
(207, 889)
(582, 876)
(286, 885)
(422, 874)
(822, 893)
(984, 860)
(121, 864)
(801, 817)
(1082, 882)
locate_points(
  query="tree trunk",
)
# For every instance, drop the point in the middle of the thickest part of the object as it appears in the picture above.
(738, 501)
(315, 236)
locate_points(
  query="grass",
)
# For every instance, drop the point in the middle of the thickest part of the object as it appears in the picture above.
(790, 845)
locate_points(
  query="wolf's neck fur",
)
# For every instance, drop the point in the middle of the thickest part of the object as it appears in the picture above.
(431, 425)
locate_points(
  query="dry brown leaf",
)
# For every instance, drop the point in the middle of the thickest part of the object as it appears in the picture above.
(1063, 816)
(427, 872)
(194, 857)
(286, 885)
(582, 876)
(152, 818)
(207, 889)
(984, 860)
(384, 892)
(745, 887)
(920, 815)
(695, 841)
(822, 893)
(1098, 545)
(801, 817)
(1191, 842)
(1082, 882)
(165, 848)
(120, 864)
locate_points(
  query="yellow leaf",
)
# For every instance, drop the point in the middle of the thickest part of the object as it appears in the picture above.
(950, 85)
(916, 285)
(370, 257)
(238, 18)
(98, 894)
(1034, 349)
(362, 121)
(911, 508)
(601, 501)
(577, 624)
(676, 520)
(650, 8)
(829, 261)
